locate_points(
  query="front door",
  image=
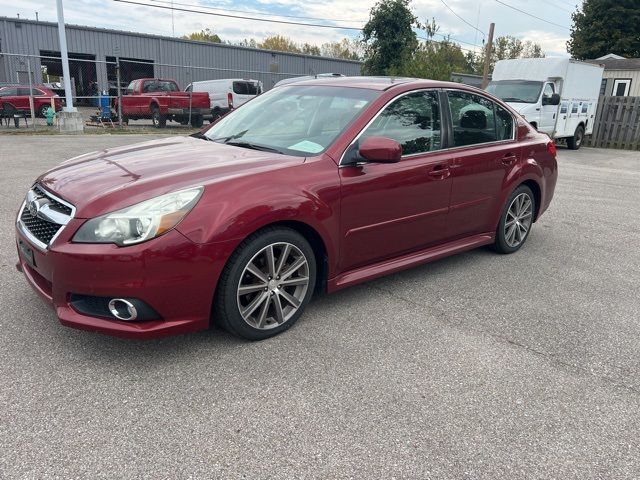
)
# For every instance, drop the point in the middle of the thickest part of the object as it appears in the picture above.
(390, 209)
(549, 114)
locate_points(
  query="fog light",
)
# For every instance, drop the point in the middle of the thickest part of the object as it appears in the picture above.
(122, 309)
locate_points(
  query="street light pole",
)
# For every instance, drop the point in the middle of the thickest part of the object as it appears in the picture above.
(68, 94)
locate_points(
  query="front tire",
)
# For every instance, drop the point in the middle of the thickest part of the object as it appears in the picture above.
(266, 284)
(42, 112)
(575, 142)
(516, 220)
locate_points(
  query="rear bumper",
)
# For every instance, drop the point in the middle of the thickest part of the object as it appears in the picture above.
(176, 277)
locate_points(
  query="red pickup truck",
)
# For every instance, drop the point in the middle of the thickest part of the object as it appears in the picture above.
(162, 100)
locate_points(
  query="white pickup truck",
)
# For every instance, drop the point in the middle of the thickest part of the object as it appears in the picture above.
(558, 96)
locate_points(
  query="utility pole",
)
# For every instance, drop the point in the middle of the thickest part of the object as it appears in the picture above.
(65, 60)
(69, 120)
(487, 57)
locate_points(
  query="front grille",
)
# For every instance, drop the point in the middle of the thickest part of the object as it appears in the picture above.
(55, 204)
(44, 226)
(39, 228)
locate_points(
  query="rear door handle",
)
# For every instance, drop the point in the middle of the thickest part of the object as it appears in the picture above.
(440, 171)
(509, 158)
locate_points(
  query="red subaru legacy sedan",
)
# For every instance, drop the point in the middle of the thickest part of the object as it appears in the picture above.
(314, 186)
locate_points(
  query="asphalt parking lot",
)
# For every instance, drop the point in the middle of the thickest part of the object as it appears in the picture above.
(476, 366)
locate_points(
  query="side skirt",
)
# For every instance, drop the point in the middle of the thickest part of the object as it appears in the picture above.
(386, 267)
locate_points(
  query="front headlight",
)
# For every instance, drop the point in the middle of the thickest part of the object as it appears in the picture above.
(140, 222)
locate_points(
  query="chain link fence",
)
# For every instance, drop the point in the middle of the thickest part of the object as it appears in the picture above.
(32, 91)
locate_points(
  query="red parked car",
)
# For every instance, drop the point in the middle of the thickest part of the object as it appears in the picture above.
(16, 98)
(314, 186)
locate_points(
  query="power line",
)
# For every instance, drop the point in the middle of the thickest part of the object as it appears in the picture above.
(452, 11)
(254, 12)
(556, 5)
(179, 9)
(531, 15)
(450, 43)
(340, 27)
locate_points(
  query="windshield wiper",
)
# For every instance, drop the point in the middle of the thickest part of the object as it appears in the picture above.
(254, 146)
(513, 99)
(230, 137)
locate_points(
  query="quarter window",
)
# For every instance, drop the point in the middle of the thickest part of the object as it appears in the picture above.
(477, 120)
(413, 120)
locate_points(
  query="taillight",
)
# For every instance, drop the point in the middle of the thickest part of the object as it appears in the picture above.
(230, 100)
(551, 147)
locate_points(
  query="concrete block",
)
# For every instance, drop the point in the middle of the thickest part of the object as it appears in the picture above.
(70, 122)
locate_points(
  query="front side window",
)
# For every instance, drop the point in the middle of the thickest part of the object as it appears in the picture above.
(412, 120)
(245, 88)
(474, 119)
(548, 91)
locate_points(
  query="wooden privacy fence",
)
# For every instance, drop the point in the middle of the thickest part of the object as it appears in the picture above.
(617, 123)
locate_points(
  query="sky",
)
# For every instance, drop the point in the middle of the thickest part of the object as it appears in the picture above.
(551, 30)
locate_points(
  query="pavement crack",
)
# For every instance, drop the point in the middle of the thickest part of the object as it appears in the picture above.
(550, 358)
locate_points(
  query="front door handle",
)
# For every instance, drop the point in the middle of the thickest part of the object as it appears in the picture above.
(509, 158)
(440, 171)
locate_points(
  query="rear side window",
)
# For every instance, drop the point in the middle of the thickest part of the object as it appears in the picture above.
(8, 92)
(246, 88)
(477, 120)
(412, 120)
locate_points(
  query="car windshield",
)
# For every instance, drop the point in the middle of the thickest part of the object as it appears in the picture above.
(296, 120)
(518, 91)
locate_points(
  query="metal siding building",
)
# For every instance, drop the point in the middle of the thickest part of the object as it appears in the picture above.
(182, 60)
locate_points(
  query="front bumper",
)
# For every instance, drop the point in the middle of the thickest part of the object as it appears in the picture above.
(173, 275)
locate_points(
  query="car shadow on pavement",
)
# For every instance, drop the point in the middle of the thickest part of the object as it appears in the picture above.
(102, 348)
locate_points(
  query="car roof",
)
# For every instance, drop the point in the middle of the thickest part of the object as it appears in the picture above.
(378, 83)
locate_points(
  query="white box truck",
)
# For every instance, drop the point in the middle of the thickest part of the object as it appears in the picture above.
(558, 96)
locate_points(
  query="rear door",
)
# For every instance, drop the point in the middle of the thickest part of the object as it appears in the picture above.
(484, 151)
(8, 97)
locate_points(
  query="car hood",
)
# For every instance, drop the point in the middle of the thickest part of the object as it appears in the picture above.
(521, 107)
(107, 180)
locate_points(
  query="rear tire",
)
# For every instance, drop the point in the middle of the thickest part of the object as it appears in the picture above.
(575, 142)
(158, 120)
(266, 284)
(516, 221)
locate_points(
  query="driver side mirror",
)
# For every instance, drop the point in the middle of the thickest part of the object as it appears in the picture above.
(381, 150)
(552, 100)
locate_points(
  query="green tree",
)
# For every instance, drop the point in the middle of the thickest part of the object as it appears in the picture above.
(346, 49)
(389, 39)
(505, 48)
(205, 35)
(605, 26)
(280, 43)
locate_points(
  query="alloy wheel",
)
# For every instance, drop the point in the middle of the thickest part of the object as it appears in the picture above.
(518, 221)
(273, 285)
